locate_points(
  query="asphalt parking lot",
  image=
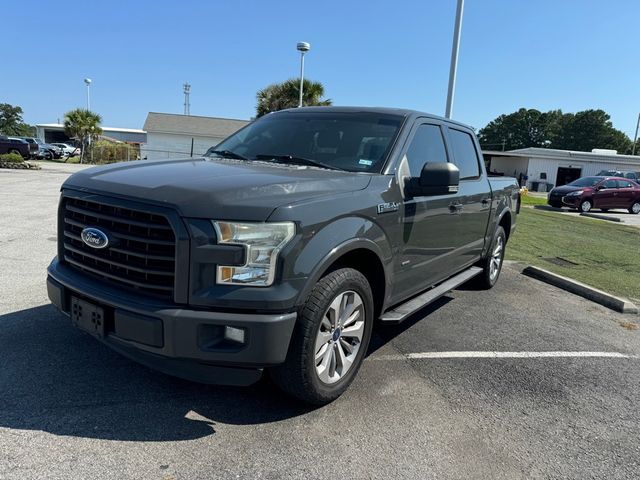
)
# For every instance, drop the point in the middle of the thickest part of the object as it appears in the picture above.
(523, 381)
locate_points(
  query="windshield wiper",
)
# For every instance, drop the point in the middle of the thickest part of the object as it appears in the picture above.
(297, 160)
(228, 154)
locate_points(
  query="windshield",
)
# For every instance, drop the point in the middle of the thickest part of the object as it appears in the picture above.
(356, 142)
(585, 182)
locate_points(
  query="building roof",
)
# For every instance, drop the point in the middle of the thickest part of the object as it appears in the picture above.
(60, 126)
(567, 154)
(192, 125)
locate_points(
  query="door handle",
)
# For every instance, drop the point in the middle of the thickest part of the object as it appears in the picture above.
(455, 207)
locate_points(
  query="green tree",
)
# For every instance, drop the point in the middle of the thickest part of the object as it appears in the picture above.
(279, 96)
(11, 122)
(589, 129)
(582, 131)
(84, 125)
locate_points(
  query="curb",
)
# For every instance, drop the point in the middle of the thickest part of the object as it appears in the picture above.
(601, 217)
(618, 304)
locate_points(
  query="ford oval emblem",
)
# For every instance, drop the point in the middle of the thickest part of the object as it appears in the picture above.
(94, 238)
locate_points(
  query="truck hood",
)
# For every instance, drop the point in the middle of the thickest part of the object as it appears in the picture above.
(217, 188)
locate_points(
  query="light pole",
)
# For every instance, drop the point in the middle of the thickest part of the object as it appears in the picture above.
(635, 137)
(454, 58)
(87, 82)
(303, 47)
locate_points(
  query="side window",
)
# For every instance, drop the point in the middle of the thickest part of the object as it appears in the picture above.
(610, 184)
(427, 145)
(623, 184)
(465, 156)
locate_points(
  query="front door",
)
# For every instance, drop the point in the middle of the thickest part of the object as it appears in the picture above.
(428, 242)
(606, 195)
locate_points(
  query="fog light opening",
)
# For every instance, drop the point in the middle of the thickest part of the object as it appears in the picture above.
(234, 334)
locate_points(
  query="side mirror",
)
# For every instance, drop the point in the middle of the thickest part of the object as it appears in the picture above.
(437, 179)
(599, 187)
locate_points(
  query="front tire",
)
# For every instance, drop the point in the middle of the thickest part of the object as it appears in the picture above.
(330, 339)
(586, 206)
(492, 265)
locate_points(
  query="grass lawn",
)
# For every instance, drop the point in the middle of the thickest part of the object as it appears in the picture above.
(602, 254)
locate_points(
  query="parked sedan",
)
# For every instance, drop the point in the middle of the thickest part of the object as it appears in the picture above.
(629, 174)
(67, 150)
(599, 192)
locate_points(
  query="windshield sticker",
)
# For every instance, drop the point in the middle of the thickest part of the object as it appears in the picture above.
(368, 163)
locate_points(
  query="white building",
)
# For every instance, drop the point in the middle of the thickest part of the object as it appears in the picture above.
(546, 166)
(172, 135)
(54, 133)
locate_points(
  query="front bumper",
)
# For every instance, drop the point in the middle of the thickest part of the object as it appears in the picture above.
(175, 340)
(571, 200)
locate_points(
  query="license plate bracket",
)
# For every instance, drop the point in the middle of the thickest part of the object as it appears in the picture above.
(88, 317)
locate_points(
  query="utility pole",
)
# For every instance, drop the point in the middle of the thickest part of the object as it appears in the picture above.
(454, 58)
(635, 137)
(187, 91)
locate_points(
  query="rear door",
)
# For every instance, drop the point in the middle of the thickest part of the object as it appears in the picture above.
(474, 196)
(626, 194)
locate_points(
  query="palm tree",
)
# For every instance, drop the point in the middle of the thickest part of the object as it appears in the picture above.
(84, 125)
(279, 96)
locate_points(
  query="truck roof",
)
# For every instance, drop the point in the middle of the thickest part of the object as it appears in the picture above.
(405, 112)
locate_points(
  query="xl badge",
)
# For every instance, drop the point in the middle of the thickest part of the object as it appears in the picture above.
(387, 207)
(94, 238)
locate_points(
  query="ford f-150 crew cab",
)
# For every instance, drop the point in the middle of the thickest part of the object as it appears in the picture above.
(282, 247)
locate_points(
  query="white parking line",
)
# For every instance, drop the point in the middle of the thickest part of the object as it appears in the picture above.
(504, 355)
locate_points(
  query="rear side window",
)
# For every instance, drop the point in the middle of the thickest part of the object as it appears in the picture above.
(623, 184)
(427, 145)
(465, 156)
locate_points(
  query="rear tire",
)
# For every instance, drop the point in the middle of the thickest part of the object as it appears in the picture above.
(635, 207)
(492, 265)
(325, 353)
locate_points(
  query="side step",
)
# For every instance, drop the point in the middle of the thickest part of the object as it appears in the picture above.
(403, 311)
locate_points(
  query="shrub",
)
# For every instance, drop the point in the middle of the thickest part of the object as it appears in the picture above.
(108, 152)
(11, 158)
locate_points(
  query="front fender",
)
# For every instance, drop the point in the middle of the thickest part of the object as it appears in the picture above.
(335, 240)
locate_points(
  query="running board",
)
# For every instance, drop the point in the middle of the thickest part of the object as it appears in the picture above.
(403, 311)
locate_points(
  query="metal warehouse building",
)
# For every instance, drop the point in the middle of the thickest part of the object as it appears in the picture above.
(545, 168)
(54, 132)
(170, 135)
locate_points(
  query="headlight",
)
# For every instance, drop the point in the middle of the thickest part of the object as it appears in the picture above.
(577, 192)
(262, 242)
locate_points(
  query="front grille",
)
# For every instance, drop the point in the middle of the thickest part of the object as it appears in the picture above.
(142, 246)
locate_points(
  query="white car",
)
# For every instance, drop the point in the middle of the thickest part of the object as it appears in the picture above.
(68, 150)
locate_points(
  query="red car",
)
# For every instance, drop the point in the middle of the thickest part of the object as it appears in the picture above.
(603, 193)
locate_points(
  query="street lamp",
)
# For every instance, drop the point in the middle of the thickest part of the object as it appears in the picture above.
(303, 47)
(87, 82)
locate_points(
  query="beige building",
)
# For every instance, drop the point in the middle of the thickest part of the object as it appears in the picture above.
(174, 135)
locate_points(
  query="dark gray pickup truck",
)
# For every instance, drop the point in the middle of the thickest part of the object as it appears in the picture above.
(282, 247)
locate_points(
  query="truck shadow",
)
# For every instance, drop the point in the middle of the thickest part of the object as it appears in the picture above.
(59, 380)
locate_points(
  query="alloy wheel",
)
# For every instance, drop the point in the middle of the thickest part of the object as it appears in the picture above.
(496, 259)
(339, 337)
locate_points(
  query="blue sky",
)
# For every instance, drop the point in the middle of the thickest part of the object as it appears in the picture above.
(568, 54)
